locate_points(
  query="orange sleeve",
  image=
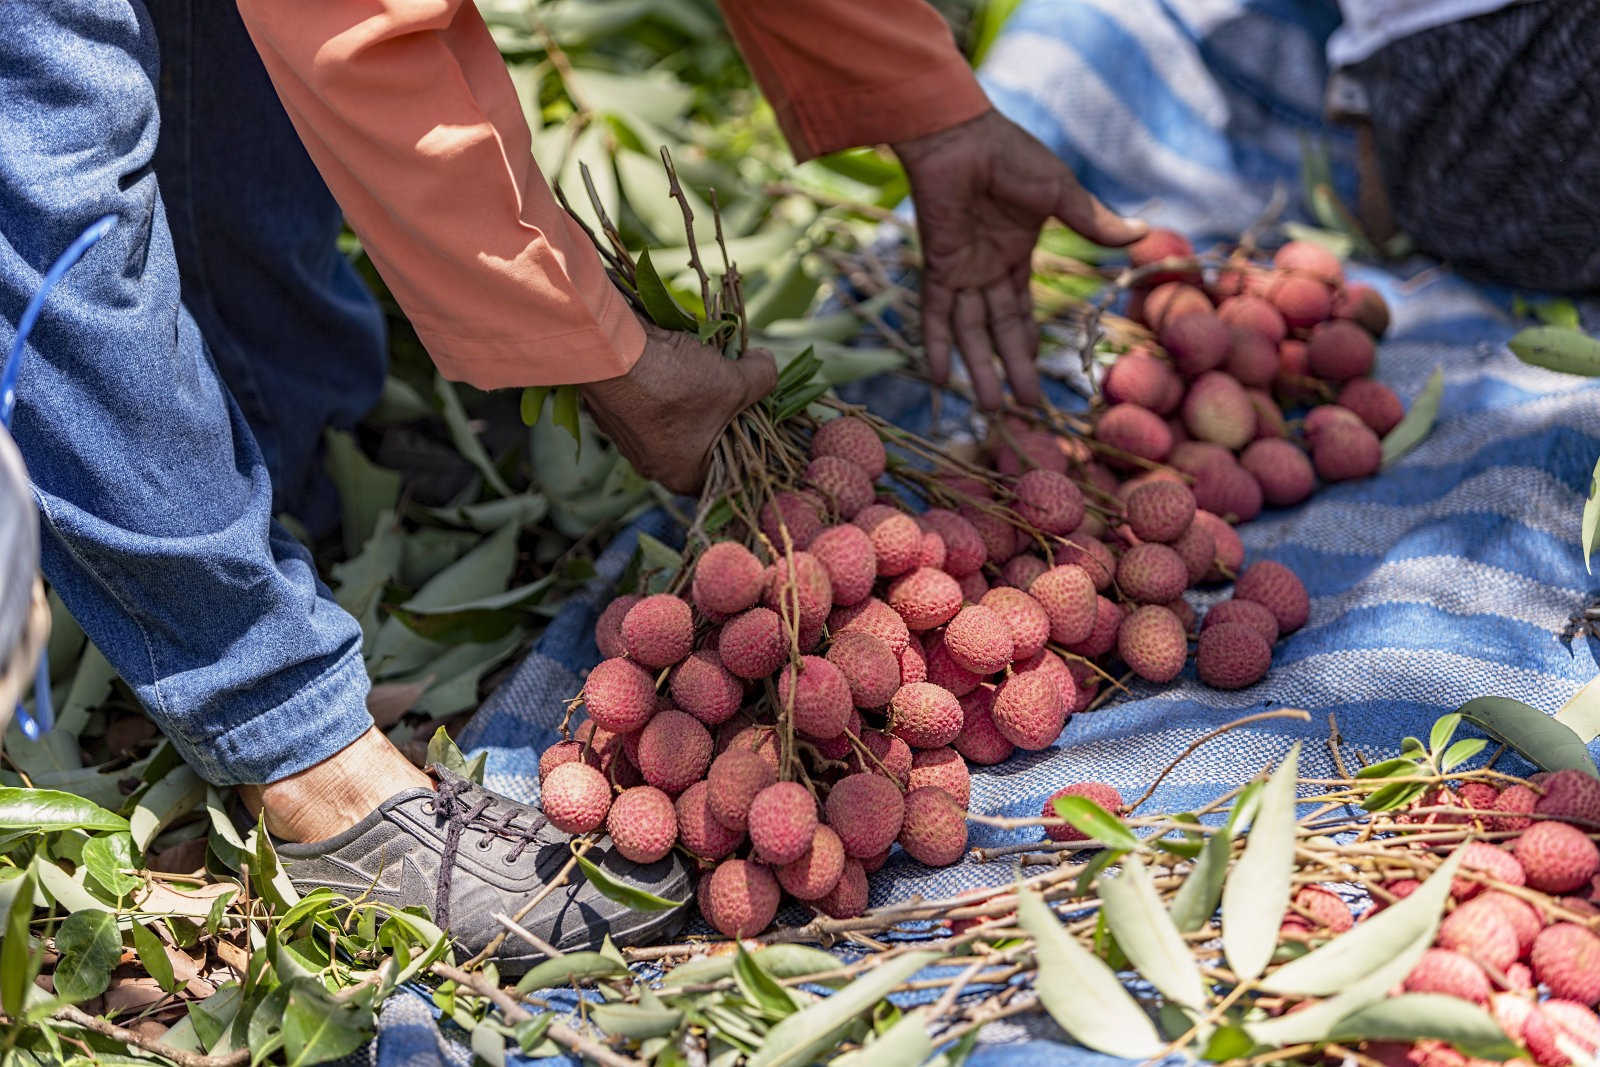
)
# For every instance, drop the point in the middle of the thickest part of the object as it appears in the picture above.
(843, 73)
(408, 112)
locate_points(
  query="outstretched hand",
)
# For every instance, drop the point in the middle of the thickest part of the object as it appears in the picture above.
(983, 191)
(666, 413)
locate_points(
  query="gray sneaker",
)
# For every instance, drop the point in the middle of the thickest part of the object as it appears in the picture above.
(466, 853)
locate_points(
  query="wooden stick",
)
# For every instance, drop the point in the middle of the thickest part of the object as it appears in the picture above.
(560, 1033)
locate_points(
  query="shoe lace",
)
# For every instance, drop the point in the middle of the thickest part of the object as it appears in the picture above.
(461, 814)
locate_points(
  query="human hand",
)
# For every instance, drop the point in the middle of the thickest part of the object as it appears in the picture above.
(983, 191)
(668, 411)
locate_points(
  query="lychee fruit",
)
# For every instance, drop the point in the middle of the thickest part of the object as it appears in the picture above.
(980, 740)
(841, 483)
(1450, 973)
(1303, 302)
(925, 598)
(1571, 796)
(866, 811)
(1216, 409)
(1342, 452)
(1269, 416)
(1253, 314)
(1247, 612)
(699, 830)
(575, 798)
(1481, 933)
(564, 752)
(727, 579)
(964, 550)
(872, 616)
(781, 821)
(869, 667)
(1168, 302)
(1566, 959)
(1092, 555)
(658, 631)
(1228, 490)
(643, 823)
(817, 871)
(1232, 655)
(620, 695)
(1363, 305)
(735, 778)
(1518, 913)
(1101, 793)
(1029, 710)
(752, 644)
(1229, 558)
(933, 830)
(896, 538)
(932, 550)
(1197, 341)
(1282, 470)
(1158, 245)
(848, 898)
(1556, 858)
(845, 552)
(821, 701)
(1152, 642)
(1024, 617)
(1020, 571)
(739, 898)
(1152, 574)
(1160, 510)
(1374, 402)
(1134, 430)
(1103, 636)
(978, 639)
(925, 716)
(799, 580)
(608, 627)
(1252, 359)
(890, 754)
(801, 513)
(942, 768)
(1306, 257)
(1001, 540)
(852, 439)
(704, 688)
(1557, 1026)
(1039, 449)
(674, 751)
(1489, 860)
(1340, 350)
(1276, 588)
(1327, 909)
(1049, 502)
(945, 672)
(1140, 378)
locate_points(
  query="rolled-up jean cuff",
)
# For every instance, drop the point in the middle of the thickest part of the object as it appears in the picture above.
(320, 720)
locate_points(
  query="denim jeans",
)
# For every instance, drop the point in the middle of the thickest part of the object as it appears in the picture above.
(177, 385)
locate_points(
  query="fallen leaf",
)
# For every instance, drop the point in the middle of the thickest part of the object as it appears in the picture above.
(131, 995)
(186, 857)
(388, 701)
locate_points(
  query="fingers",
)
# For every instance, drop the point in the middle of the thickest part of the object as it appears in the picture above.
(1014, 339)
(937, 306)
(757, 372)
(971, 322)
(1080, 210)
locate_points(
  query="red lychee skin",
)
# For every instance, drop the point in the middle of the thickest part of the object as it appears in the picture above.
(564, 752)
(866, 811)
(913, 664)
(1510, 1011)
(674, 751)
(1140, 378)
(1481, 933)
(977, 639)
(868, 666)
(845, 552)
(896, 540)
(1293, 383)
(1001, 540)
(1575, 1024)
(1229, 549)
(698, 829)
(1160, 511)
(1020, 571)
(575, 798)
(817, 871)
(1152, 642)
(752, 644)
(1566, 958)
(1227, 489)
(1327, 907)
(931, 553)
(1067, 594)
(848, 898)
(739, 898)
(964, 550)
(925, 598)
(1306, 257)
(735, 778)
(608, 627)
(1269, 416)
(1557, 858)
(925, 716)
(1489, 860)
(643, 824)
(1197, 341)
(1152, 574)
(1517, 913)
(944, 671)
(1282, 470)
(706, 689)
(821, 701)
(1185, 613)
(658, 631)
(1375, 402)
(980, 740)
(782, 819)
(1089, 553)
(1030, 710)
(1248, 312)
(891, 756)
(1364, 305)
(727, 579)
(841, 483)
(933, 831)
(1039, 449)
(1442, 971)
(1023, 616)
(1479, 796)
(801, 514)
(1168, 301)
(1101, 793)
(1339, 350)
(1247, 612)
(1049, 502)
(604, 745)
(872, 616)
(1134, 430)
(1216, 409)
(1232, 655)
(1571, 796)
(1158, 245)
(1252, 359)
(942, 768)
(801, 573)
(620, 695)
(1342, 453)
(853, 439)
(1103, 637)
(1323, 416)
(1303, 302)
(1276, 588)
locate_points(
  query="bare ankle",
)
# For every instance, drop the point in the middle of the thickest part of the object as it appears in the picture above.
(334, 795)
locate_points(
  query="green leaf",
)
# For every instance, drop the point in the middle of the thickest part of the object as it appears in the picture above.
(1257, 892)
(1393, 797)
(271, 883)
(1196, 899)
(1559, 349)
(213, 1017)
(564, 413)
(760, 988)
(533, 398)
(442, 750)
(571, 967)
(780, 961)
(904, 1044)
(1460, 752)
(1228, 1043)
(1080, 992)
(153, 954)
(632, 896)
(806, 1035)
(529, 1033)
(1389, 767)
(177, 793)
(487, 516)
(1410, 430)
(217, 911)
(1147, 935)
(47, 810)
(366, 490)
(1417, 1016)
(316, 1028)
(634, 1021)
(1444, 728)
(106, 857)
(1093, 869)
(658, 301)
(90, 947)
(1581, 713)
(1591, 517)
(19, 962)
(463, 437)
(1358, 952)
(1542, 739)
(1091, 819)
(1317, 1022)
